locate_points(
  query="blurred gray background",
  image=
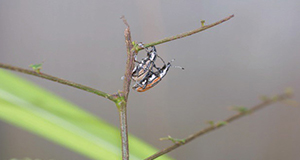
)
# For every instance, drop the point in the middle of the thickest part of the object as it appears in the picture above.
(254, 54)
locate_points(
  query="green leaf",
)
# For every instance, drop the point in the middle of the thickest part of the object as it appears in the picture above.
(25, 105)
(36, 67)
(221, 123)
(211, 123)
(202, 23)
(240, 109)
(174, 140)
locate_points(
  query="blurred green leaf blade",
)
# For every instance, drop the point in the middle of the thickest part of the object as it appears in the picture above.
(38, 111)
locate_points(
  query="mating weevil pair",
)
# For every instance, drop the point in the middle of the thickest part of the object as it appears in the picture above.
(143, 73)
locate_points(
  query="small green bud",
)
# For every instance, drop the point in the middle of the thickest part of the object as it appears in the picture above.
(36, 67)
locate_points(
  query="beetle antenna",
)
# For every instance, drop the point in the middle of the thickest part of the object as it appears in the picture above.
(176, 66)
(179, 67)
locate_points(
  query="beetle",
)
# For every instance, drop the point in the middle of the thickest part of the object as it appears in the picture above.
(153, 78)
(145, 65)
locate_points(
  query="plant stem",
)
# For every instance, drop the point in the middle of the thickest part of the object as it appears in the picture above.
(182, 35)
(126, 88)
(59, 80)
(214, 127)
(124, 131)
(130, 60)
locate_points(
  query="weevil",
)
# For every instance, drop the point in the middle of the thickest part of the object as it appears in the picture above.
(145, 65)
(153, 78)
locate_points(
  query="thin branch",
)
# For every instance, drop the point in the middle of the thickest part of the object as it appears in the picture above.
(130, 60)
(182, 35)
(124, 131)
(265, 103)
(126, 88)
(59, 80)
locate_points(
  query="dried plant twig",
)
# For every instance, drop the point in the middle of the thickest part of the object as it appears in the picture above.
(59, 80)
(265, 103)
(182, 35)
(126, 88)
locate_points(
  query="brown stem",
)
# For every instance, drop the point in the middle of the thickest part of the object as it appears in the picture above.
(182, 35)
(59, 80)
(214, 127)
(126, 88)
(130, 60)
(124, 131)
